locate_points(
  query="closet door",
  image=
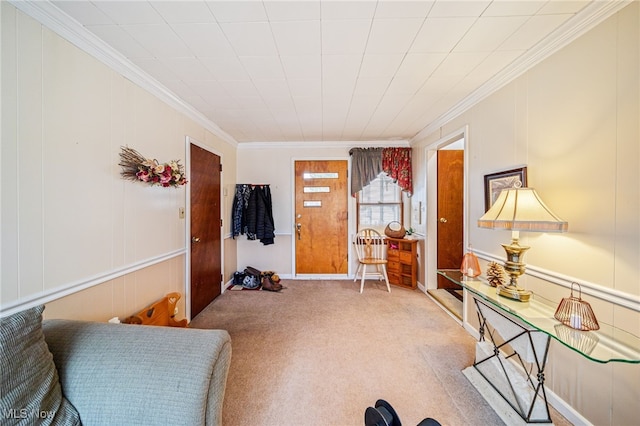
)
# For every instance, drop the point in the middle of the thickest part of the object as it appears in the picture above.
(206, 248)
(320, 228)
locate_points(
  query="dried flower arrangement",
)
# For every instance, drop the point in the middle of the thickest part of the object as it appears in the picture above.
(138, 168)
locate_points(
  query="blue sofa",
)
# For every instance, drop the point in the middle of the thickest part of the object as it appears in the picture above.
(111, 374)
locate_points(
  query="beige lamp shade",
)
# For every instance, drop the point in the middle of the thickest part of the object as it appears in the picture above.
(521, 209)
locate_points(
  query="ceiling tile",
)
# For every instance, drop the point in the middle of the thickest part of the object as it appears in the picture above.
(187, 68)
(403, 9)
(306, 89)
(345, 36)
(251, 102)
(458, 8)
(487, 34)
(337, 67)
(392, 35)
(460, 63)
(204, 39)
(407, 85)
(533, 31)
(559, 7)
(238, 11)
(272, 88)
(371, 87)
(302, 67)
(120, 40)
(347, 9)
(208, 89)
(123, 12)
(312, 70)
(514, 8)
(155, 69)
(159, 39)
(297, 37)
(250, 38)
(441, 34)
(85, 12)
(225, 68)
(420, 64)
(263, 67)
(191, 11)
(240, 88)
(179, 88)
(379, 65)
(292, 10)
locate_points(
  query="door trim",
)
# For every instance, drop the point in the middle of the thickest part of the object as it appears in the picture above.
(187, 220)
(431, 185)
(350, 221)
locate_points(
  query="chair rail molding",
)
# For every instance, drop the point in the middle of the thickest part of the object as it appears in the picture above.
(74, 287)
(611, 295)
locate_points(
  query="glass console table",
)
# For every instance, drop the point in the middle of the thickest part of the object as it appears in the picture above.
(513, 330)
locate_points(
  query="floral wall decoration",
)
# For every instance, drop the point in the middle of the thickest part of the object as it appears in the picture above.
(138, 168)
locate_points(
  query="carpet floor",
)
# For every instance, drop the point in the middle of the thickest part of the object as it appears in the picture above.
(319, 353)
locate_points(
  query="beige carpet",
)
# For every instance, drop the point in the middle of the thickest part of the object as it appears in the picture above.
(319, 353)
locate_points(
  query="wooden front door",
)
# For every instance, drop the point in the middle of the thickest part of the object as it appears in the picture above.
(206, 248)
(450, 212)
(320, 222)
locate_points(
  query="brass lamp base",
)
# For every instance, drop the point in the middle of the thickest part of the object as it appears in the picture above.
(514, 292)
(514, 267)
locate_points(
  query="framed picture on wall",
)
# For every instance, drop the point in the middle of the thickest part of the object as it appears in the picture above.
(494, 183)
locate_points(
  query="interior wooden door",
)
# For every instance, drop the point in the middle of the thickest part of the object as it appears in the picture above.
(450, 212)
(320, 222)
(206, 248)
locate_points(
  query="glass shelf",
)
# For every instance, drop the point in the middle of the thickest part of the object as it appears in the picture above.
(608, 344)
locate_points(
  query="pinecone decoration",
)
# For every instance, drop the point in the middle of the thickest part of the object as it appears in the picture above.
(496, 275)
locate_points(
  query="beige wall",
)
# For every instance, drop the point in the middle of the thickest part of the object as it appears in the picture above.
(574, 121)
(273, 164)
(69, 222)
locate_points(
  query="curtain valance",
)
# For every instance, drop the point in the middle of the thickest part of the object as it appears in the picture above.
(396, 162)
(368, 163)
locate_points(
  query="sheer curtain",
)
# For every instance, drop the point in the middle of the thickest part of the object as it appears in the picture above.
(396, 162)
(366, 165)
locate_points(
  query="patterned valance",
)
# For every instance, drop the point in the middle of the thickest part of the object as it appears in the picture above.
(396, 162)
(368, 163)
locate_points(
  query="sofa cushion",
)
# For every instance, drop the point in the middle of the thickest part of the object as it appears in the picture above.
(31, 392)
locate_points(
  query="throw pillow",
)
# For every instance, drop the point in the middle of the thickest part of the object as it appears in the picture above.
(29, 384)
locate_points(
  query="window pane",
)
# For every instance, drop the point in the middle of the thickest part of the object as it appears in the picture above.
(382, 189)
(379, 203)
(378, 216)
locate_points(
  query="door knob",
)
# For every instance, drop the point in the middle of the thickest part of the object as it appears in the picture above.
(443, 220)
(195, 239)
(298, 228)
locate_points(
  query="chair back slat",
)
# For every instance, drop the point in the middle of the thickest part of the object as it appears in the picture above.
(369, 245)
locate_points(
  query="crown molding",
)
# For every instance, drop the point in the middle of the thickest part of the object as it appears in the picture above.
(45, 12)
(585, 20)
(323, 144)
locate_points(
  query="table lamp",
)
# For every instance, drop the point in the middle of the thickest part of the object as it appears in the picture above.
(519, 209)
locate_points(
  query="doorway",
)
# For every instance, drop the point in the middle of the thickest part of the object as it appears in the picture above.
(204, 233)
(320, 232)
(446, 199)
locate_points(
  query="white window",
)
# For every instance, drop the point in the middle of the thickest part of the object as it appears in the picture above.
(379, 203)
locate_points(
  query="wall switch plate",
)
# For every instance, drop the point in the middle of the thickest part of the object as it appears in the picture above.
(181, 212)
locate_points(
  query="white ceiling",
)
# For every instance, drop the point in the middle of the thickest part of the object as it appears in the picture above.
(324, 70)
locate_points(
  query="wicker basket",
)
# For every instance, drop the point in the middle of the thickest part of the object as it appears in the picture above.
(394, 233)
(576, 313)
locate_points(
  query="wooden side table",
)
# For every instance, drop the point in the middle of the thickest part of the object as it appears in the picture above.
(402, 262)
